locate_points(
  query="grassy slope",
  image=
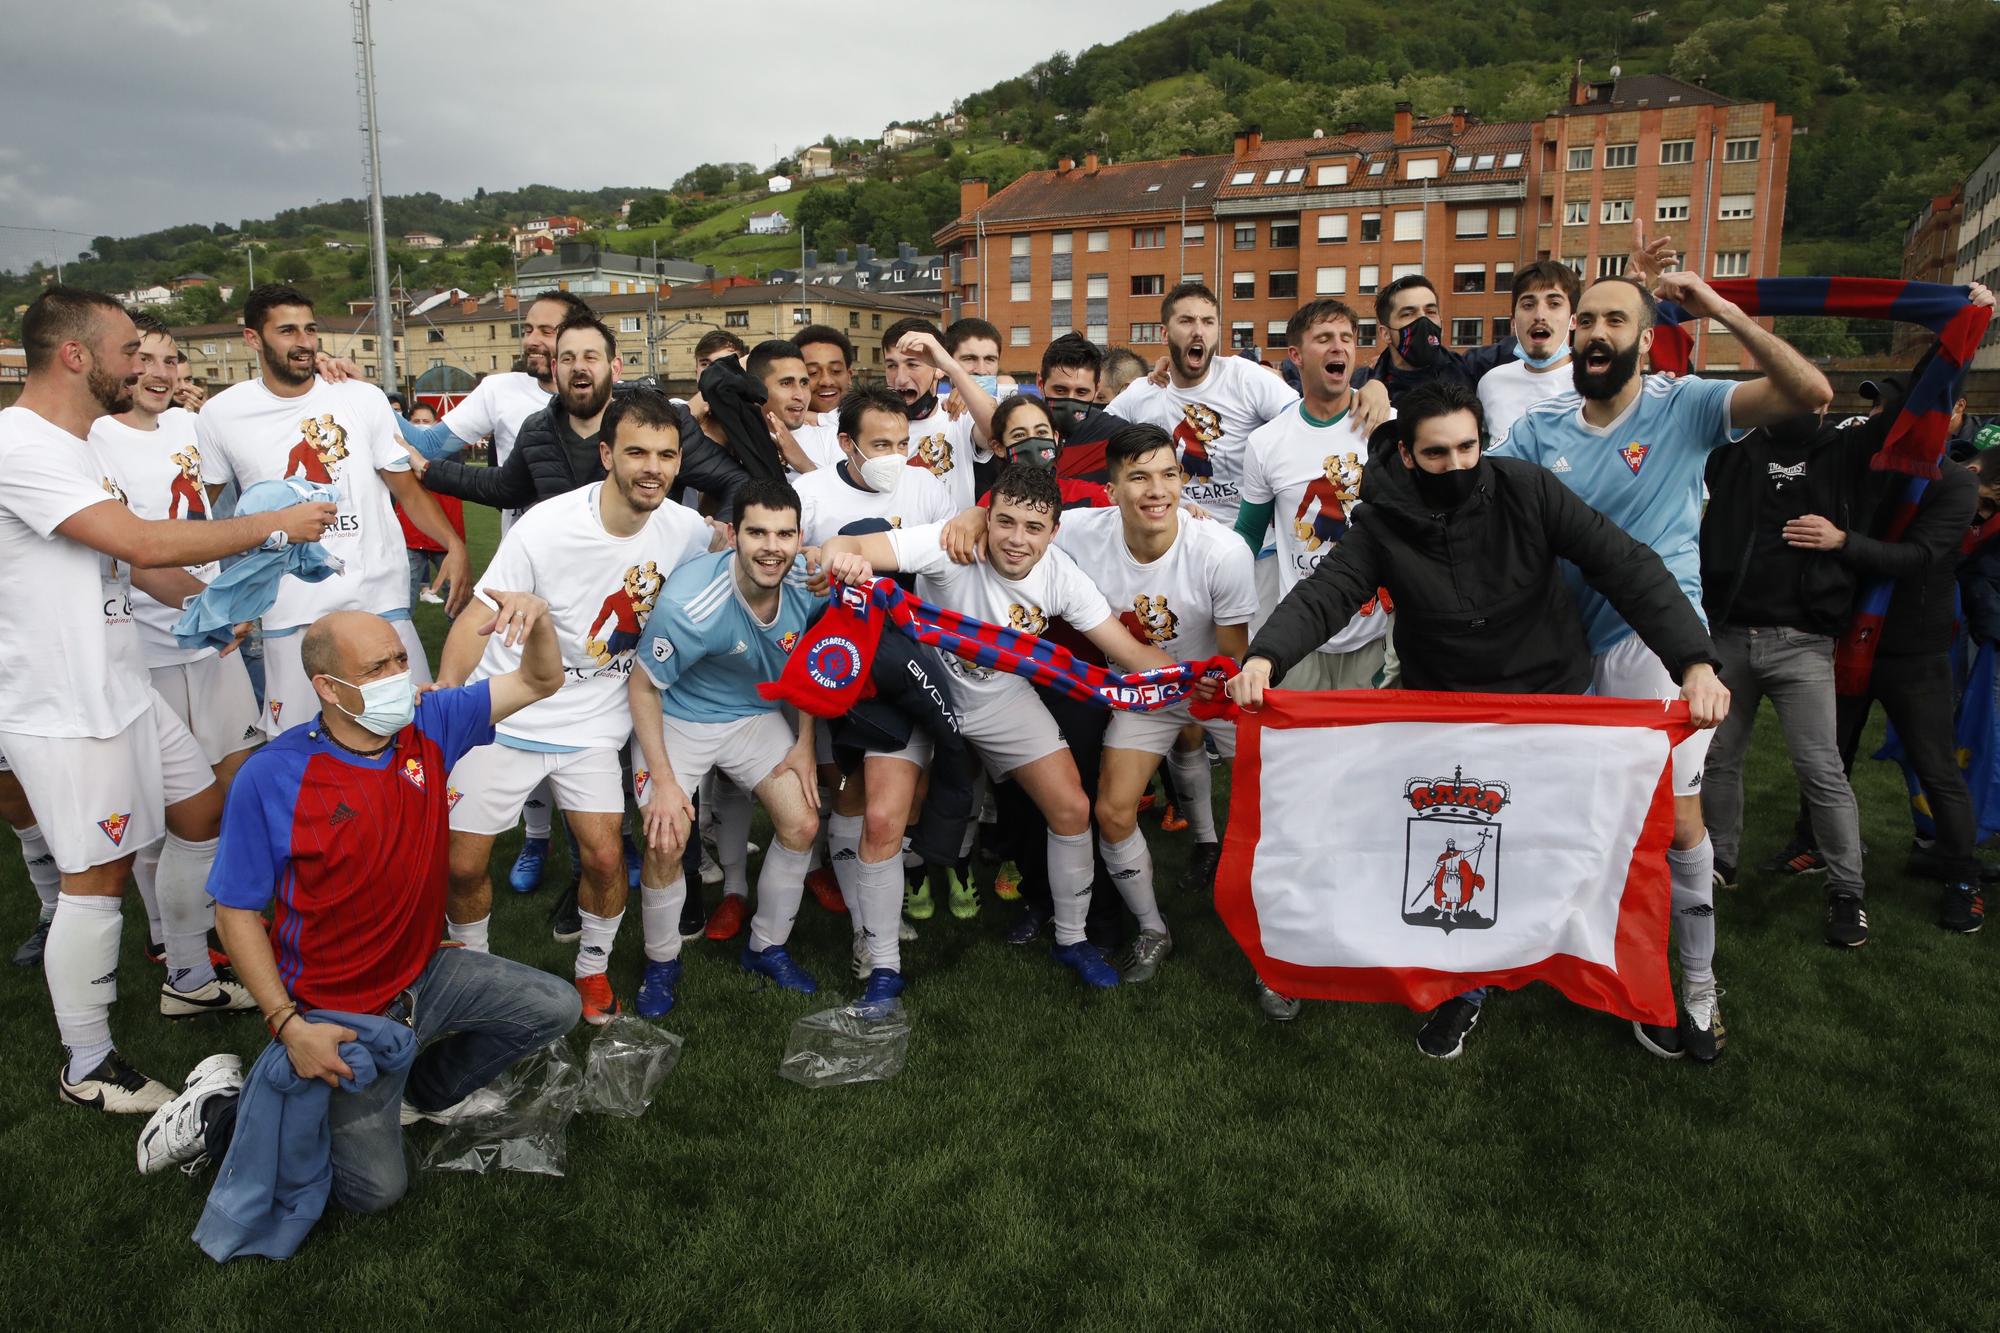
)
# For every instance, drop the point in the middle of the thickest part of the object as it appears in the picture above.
(1152, 1157)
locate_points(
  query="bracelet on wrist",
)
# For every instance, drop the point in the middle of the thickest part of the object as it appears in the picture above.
(271, 1023)
(278, 1032)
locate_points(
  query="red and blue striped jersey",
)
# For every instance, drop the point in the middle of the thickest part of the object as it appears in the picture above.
(349, 852)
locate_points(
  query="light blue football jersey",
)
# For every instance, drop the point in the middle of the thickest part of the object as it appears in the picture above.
(708, 653)
(1643, 472)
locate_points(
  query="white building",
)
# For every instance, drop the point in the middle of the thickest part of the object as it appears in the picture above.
(144, 296)
(779, 184)
(772, 223)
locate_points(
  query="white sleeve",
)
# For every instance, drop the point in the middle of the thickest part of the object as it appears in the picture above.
(961, 433)
(920, 550)
(216, 468)
(1254, 485)
(1078, 600)
(1139, 403)
(1268, 394)
(48, 486)
(383, 434)
(1232, 579)
(472, 420)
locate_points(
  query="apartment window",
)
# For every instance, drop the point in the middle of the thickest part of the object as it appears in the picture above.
(1420, 169)
(1739, 150)
(1365, 335)
(1617, 210)
(514, 330)
(1097, 241)
(1246, 236)
(971, 298)
(1284, 235)
(1610, 266)
(1332, 228)
(1274, 175)
(1377, 168)
(367, 345)
(1621, 155)
(1510, 161)
(1465, 333)
(1507, 221)
(628, 324)
(492, 333)
(1330, 282)
(1468, 278)
(1097, 287)
(1471, 222)
(1332, 174)
(1020, 247)
(631, 359)
(1149, 333)
(1285, 284)
(1243, 178)
(1149, 284)
(736, 319)
(1410, 224)
(1369, 279)
(1670, 208)
(1060, 243)
(1576, 213)
(802, 314)
(875, 355)
(434, 335)
(1371, 226)
(494, 362)
(1503, 328)
(1503, 277)
(1575, 263)
(1193, 234)
(1398, 272)
(1579, 159)
(1462, 163)
(854, 316)
(1676, 151)
(1294, 175)
(1020, 291)
(1732, 263)
(1243, 335)
(1242, 286)
(1062, 289)
(875, 321)
(1149, 238)
(1736, 206)
(1098, 333)
(1275, 334)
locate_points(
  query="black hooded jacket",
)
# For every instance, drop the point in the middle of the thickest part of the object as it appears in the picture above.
(1480, 601)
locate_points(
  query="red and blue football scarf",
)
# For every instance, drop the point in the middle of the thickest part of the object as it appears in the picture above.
(1916, 440)
(829, 671)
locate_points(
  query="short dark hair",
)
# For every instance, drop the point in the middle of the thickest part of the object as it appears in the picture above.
(263, 300)
(150, 324)
(1649, 306)
(1181, 291)
(572, 304)
(1031, 485)
(1072, 351)
(1122, 361)
(1386, 297)
(1012, 403)
(1131, 443)
(645, 405)
(906, 326)
(1439, 396)
(959, 330)
(59, 315)
(765, 493)
(575, 322)
(764, 353)
(1547, 273)
(1319, 312)
(869, 398)
(814, 334)
(715, 340)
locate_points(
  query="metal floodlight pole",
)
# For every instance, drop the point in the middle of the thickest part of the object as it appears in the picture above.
(377, 231)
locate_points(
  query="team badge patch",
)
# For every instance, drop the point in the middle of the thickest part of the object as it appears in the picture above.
(114, 828)
(277, 709)
(413, 772)
(789, 641)
(451, 797)
(641, 779)
(834, 663)
(1451, 859)
(1634, 454)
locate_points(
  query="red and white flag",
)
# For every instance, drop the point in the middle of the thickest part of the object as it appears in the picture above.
(1408, 846)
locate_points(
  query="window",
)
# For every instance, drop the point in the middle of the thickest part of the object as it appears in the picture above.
(802, 314)
(1670, 208)
(1096, 287)
(1579, 159)
(1149, 333)
(1621, 155)
(1510, 161)
(1243, 335)
(1503, 328)
(1284, 235)
(1610, 266)
(875, 321)
(1060, 243)
(1471, 222)
(736, 319)
(1242, 286)
(1377, 168)
(1409, 224)
(1739, 150)
(1018, 336)
(1097, 241)
(1465, 333)
(1735, 206)
(367, 345)
(1098, 333)
(1330, 282)
(1020, 246)
(1285, 284)
(1617, 210)
(1485, 162)
(1062, 289)
(1021, 291)
(1274, 175)
(1243, 178)
(1149, 238)
(1420, 169)
(1369, 279)
(1371, 226)
(631, 359)
(434, 335)
(1246, 236)
(1275, 334)
(1398, 272)
(1193, 234)
(494, 362)
(1332, 228)
(628, 324)
(1149, 284)
(1503, 277)
(1365, 335)
(854, 316)
(1675, 151)
(1732, 263)
(492, 333)
(875, 355)
(1575, 263)
(1334, 174)
(1576, 213)
(1468, 278)
(1507, 220)
(1463, 163)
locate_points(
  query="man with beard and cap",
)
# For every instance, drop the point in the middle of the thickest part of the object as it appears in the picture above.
(1470, 547)
(1545, 296)
(1634, 448)
(914, 362)
(292, 423)
(103, 762)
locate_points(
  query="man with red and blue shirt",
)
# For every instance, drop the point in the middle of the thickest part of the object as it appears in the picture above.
(339, 828)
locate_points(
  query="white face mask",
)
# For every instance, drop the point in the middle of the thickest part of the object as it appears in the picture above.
(387, 705)
(883, 471)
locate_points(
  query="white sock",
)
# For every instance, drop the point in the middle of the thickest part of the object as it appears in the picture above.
(843, 853)
(472, 934)
(81, 961)
(709, 786)
(780, 886)
(732, 837)
(660, 915)
(593, 951)
(146, 876)
(1195, 782)
(1069, 883)
(1131, 865)
(187, 911)
(42, 872)
(536, 813)
(1692, 869)
(879, 885)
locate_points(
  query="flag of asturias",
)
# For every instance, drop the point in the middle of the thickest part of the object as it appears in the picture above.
(1408, 846)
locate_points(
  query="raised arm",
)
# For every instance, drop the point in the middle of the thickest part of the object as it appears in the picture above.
(153, 543)
(977, 401)
(1791, 384)
(509, 486)
(522, 618)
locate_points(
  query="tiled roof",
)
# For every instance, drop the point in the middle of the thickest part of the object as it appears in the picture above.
(1644, 92)
(1292, 161)
(1123, 187)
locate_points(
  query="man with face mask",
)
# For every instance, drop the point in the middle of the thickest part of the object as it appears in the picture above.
(1467, 546)
(1072, 385)
(1545, 296)
(914, 360)
(1634, 449)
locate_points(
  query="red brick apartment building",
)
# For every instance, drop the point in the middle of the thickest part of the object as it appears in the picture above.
(1272, 224)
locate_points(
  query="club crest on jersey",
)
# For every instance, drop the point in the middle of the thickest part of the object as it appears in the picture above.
(624, 611)
(1150, 620)
(1634, 454)
(114, 828)
(321, 448)
(413, 772)
(1451, 858)
(277, 709)
(1200, 426)
(641, 779)
(451, 798)
(788, 641)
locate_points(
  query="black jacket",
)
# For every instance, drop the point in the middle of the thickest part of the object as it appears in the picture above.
(1480, 602)
(1922, 615)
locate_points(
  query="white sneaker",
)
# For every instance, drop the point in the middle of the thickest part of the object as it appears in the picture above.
(426, 595)
(115, 1088)
(482, 1102)
(175, 1134)
(711, 873)
(905, 932)
(216, 997)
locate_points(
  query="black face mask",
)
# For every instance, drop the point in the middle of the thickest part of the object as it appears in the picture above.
(1068, 415)
(1420, 343)
(1036, 452)
(1445, 491)
(923, 407)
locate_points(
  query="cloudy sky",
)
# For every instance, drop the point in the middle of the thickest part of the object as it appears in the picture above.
(127, 115)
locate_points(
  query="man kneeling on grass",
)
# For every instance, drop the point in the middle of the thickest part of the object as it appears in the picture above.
(340, 828)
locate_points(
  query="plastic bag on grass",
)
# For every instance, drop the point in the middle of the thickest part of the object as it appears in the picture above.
(526, 1130)
(847, 1045)
(623, 1064)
